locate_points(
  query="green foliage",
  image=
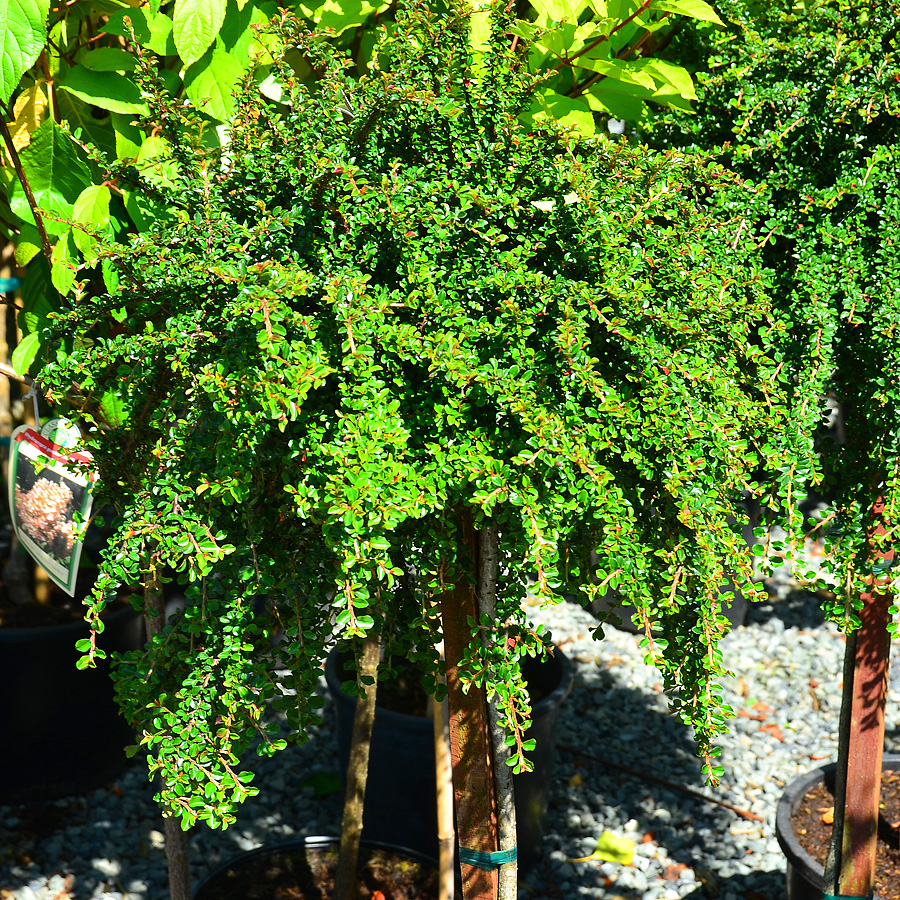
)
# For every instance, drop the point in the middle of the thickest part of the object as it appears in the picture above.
(86, 68)
(806, 103)
(385, 305)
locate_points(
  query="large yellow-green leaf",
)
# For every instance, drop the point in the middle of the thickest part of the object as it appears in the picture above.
(57, 175)
(565, 110)
(339, 15)
(109, 59)
(25, 352)
(696, 9)
(63, 263)
(558, 10)
(91, 209)
(30, 110)
(670, 79)
(106, 90)
(210, 82)
(128, 136)
(151, 30)
(195, 24)
(23, 31)
(617, 98)
(616, 68)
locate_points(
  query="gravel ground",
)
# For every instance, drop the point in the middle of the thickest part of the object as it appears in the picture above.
(108, 844)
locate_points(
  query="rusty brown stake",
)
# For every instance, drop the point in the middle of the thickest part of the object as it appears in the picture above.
(470, 743)
(855, 865)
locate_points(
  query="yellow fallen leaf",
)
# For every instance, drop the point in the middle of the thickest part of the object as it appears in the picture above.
(575, 780)
(611, 848)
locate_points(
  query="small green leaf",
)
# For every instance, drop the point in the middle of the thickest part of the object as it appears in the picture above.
(324, 784)
(114, 410)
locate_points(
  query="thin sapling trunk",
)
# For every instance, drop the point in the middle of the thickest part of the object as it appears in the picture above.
(176, 841)
(486, 593)
(346, 886)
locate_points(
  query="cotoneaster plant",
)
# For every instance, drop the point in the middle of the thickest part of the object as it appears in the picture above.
(390, 331)
(804, 101)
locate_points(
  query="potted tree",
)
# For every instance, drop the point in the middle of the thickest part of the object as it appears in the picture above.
(805, 103)
(392, 353)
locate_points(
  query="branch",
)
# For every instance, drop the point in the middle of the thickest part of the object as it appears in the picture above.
(26, 186)
(604, 37)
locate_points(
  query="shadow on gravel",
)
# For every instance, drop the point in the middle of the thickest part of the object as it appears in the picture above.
(604, 717)
(799, 609)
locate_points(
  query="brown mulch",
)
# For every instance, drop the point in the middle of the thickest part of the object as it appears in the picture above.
(812, 825)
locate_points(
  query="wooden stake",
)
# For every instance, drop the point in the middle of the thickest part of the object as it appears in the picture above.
(862, 785)
(473, 782)
(444, 785)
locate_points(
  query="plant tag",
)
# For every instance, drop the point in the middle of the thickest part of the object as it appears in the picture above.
(50, 498)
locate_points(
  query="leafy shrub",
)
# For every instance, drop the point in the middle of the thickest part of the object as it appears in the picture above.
(804, 101)
(384, 306)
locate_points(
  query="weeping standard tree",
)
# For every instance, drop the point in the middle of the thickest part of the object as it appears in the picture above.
(805, 102)
(386, 336)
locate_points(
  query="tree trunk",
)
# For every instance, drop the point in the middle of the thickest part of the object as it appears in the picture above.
(176, 842)
(470, 743)
(486, 594)
(858, 786)
(346, 886)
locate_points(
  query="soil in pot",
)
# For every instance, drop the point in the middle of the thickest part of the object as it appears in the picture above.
(811, 823)
(307, 872)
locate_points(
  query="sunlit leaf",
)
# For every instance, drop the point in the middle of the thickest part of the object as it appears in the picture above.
(23, 31)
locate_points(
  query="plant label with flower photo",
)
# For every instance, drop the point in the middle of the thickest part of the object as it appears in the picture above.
(50, 502)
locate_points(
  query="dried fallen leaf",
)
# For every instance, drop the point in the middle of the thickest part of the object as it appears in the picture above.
(746, 714)
(774, 730)
(575, 780)
(761, 707)
(673, 872)
(828, 816)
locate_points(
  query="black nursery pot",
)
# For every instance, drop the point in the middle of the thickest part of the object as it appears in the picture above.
(62, 732)
(282, 870)
(806, 877)
(400, 804)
